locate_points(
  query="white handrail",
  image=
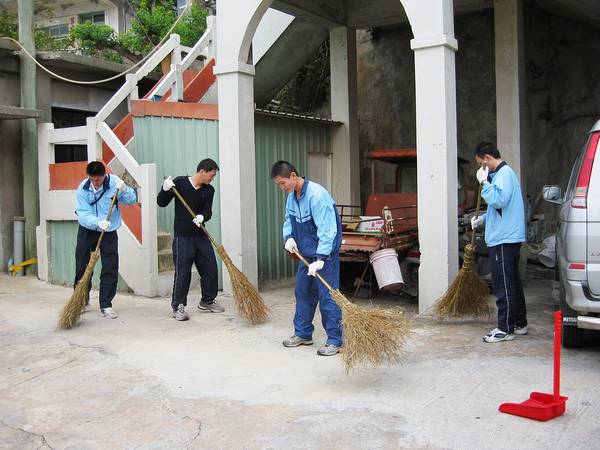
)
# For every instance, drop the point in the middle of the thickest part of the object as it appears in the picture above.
(127, 88)
(120, 151)
(171, 44)
(130, 84)
(197, 49)
(163, 86)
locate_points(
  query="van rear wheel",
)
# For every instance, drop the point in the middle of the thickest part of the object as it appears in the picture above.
(572, 337)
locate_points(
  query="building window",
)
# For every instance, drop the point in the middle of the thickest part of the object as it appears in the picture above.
(97, 17)
(62, 118)
(58, 30)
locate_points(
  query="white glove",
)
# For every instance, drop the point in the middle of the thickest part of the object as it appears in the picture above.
(314, 267)
(104, 224)
(198, 220)
(476, 222)
(482, 174)
(168, 184)
(120, 184)
(290, 245)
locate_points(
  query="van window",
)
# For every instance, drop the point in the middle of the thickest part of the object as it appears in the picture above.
(575, 172)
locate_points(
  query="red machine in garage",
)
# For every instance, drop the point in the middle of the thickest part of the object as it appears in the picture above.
(389, 220)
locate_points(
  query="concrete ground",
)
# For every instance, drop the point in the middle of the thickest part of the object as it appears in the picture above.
(214, 382)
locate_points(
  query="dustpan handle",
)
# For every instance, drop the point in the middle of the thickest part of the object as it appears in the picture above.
(557, 340)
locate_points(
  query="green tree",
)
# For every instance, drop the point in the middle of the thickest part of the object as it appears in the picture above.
(9, 27)
(152, 21)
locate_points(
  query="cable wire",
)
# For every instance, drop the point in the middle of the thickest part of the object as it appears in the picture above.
(105, 80)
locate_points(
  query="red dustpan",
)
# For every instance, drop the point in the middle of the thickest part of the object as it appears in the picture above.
(541, 406)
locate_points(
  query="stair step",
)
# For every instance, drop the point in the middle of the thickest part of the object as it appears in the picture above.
(165, 260)
(164, 285)
(164, 240)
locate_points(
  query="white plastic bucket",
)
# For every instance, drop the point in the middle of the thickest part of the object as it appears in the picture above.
(386, 268)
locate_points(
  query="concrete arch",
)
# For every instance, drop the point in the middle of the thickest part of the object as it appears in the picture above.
(240, 19)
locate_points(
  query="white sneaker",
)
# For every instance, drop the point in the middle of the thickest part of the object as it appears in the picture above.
(497, 335)
(109, 313)
(521, 331)
(180, 314)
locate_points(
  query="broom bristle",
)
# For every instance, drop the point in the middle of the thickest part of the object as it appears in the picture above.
(467, 295)
(371, 336)
(72, 310)
(248, 301)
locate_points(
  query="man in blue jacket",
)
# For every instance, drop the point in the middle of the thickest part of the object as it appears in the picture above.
(504, 233)
(312, 227)
(94, 196)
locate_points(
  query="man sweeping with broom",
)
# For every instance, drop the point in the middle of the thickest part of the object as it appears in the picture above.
(190, 246)
(312, 228)
(504, 233)
(95, 197)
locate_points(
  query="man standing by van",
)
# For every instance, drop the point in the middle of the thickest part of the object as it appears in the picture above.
(312, 228)
(504, 233)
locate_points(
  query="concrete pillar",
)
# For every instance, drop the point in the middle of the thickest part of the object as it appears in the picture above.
(345, 176)
(435, 82)
(510, 93)
(510, 82)
(29, 127)
(237, 174)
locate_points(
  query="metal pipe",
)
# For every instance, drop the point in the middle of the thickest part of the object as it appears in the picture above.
(19, 242)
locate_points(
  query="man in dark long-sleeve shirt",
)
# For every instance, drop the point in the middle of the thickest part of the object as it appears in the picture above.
(190, 245)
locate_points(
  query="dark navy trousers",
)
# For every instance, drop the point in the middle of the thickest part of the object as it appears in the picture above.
(310, 292)
(506, 283)
(198, 251)
(109, 254)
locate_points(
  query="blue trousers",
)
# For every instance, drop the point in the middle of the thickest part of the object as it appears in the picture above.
(310, 292)
(506, 284)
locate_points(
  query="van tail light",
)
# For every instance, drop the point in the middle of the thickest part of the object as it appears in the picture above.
(585, 173)
(576, 266)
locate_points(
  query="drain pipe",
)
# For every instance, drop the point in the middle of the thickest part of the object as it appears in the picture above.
(19, 242)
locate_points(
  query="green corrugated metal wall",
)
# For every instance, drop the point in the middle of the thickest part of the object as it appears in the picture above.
(63, 238)
(289, 139)
(176, 146)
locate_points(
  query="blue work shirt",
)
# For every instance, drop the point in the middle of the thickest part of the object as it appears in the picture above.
(505, 217)
(313, 221)
(92, 207)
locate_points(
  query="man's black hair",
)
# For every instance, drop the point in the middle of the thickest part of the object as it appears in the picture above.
(208, 165)
(487, 148)
(283, 169)
(95, 169)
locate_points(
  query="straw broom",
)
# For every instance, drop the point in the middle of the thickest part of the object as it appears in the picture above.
(249, 303)
(371, 335)
(467, 295)
(72, 310)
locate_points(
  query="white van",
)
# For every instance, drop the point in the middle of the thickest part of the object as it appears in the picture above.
(578, 243)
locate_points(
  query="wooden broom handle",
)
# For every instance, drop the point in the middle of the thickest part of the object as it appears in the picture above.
(306, 263)
(110, 209)
(476, 212)
(193, 214)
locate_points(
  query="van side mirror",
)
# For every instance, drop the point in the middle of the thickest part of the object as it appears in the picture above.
(552, 194)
